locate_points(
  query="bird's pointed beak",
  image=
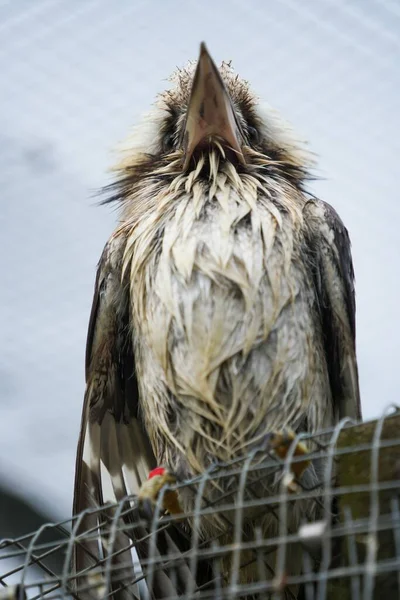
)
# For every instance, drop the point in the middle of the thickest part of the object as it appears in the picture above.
(210, 111)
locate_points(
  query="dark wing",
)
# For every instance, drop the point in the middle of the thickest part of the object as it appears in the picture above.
(330, 258)
(114, 455)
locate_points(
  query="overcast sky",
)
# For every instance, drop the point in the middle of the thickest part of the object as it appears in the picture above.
(76, 74)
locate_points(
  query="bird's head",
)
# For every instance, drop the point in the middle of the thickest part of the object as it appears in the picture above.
(208, 120)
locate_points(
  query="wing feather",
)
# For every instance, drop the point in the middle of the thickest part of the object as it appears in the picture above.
(332, 267)
(114, 455)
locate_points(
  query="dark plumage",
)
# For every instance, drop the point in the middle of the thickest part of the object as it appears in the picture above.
(224, 300)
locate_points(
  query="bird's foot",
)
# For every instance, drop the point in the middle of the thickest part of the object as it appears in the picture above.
(150, 491)
(280, 442)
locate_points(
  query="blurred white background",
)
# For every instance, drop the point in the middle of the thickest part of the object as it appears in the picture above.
(75, 75)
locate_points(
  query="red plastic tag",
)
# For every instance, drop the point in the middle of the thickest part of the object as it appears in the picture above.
(156, 471)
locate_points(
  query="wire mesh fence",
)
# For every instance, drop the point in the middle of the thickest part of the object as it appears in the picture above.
(349, 539)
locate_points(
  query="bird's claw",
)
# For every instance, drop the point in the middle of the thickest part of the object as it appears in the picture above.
(150, 490)
(280, 443)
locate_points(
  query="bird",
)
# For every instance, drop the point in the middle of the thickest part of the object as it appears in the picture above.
(224, 304)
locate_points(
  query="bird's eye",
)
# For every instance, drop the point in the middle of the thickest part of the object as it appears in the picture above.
(253, 135)
(168, 141)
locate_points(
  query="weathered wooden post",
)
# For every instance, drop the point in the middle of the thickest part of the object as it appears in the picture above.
(368, 478)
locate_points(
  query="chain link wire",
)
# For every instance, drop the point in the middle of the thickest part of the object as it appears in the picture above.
(350, 544)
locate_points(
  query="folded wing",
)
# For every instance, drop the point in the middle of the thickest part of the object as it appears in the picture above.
(331, 263)
(114, 455)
